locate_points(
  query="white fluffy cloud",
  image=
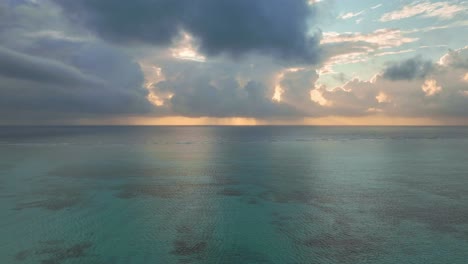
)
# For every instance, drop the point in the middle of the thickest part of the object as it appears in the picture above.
(442, 92)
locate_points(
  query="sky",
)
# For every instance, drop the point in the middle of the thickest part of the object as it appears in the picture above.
(233, 62)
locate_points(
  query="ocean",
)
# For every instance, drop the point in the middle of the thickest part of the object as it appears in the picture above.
(266, 194)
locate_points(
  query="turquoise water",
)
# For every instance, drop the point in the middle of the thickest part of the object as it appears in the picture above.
(233, 195)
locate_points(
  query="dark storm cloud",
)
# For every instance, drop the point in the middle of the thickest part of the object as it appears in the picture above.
(272, 27)
(230, 100)
(224, 97)
(96, 81)
(48, 71)
(414, 68)
(22, 66)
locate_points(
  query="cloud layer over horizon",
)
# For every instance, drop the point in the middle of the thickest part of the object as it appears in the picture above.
(62, 61)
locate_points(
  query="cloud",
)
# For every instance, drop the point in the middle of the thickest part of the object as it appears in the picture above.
(351, 15)
(34, 86)
(23, 22)
(442, 93)
(436, 98)
(386, 53)
(215, 92)
(409, 69)
(46, 75)
(431, 88)
(49, 73)
(122, 61)
(440, 10)
(381, 38)
(17, 65)
(296, 85)
(347, 48)
(234, 28)
(197, 89)
(456, 58)
(227, 99)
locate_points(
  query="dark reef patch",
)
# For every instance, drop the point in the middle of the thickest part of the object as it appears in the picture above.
(191, 241)
(252, 200)
(53, 198)
(282, 224)
(6, 196)
(53, 204)
(230, 192)
(453, 189)
(328, 235)
(346, 243)
(22, 255)
(243, 255)
(437, 218)
(184, 248)
(55, 253)
(6, 166)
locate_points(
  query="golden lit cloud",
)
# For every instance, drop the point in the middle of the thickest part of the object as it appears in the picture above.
(431, 88)
(382, 98)
(185, 49)
(317, 96)
(153, 75)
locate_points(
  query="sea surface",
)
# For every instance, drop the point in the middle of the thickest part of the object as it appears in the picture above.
(234, 195)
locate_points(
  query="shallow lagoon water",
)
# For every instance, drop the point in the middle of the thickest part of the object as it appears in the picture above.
(233, 195)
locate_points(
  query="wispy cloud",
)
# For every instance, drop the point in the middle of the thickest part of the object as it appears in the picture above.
(351, 15)
(355, 57)
(393, 52)
(463, 23)
(441, 10)
(383, 38)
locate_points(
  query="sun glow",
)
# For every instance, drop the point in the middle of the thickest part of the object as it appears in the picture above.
(376, 119)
